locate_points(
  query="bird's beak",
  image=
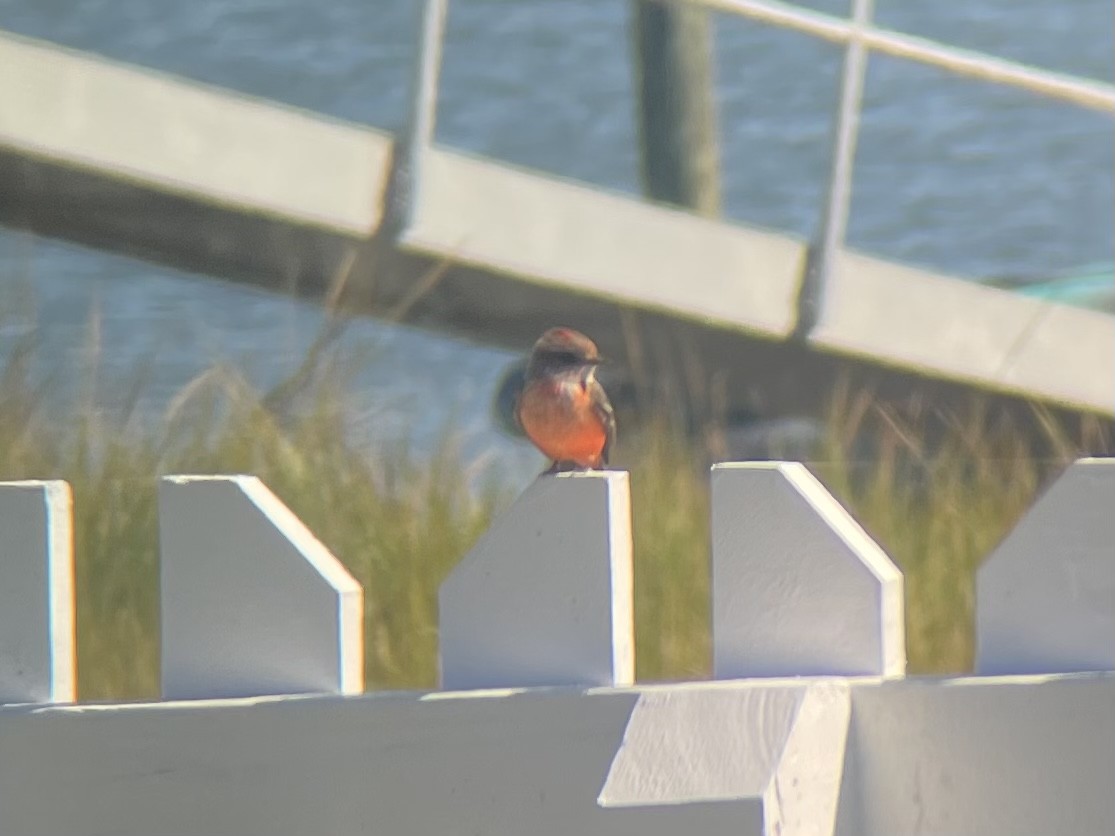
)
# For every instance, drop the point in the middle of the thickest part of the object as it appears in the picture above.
(602, 361)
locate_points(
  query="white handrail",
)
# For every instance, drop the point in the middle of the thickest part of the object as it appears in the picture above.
(1088, 93)
(859, 37)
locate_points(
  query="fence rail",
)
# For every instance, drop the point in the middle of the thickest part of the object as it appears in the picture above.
(263, 729)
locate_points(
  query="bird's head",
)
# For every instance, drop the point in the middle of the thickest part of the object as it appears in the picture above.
(561, 349)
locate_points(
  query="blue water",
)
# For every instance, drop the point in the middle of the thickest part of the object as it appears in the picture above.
(964, 177)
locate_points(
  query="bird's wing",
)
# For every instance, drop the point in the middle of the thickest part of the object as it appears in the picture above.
(603, 408)
(516, 409)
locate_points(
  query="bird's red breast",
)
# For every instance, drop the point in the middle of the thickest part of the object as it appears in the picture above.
(559, 415)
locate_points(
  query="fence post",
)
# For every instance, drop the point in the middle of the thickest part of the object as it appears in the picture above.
(1045, 599)
(798, 587)
(36, 593)
(545, 597)
(252, 602)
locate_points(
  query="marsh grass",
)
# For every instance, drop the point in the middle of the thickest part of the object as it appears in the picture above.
(399, 521)
(940, 501)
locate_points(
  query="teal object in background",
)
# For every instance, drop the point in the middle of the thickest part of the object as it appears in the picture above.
(1091, 286)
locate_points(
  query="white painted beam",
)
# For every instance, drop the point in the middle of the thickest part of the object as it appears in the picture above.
(545, 597)
(37, 653)
(502, 763)
(1045, 598)
(956, 329)
(775, 750)
(167, 134)
(986, 756)
(252, 602)
(631, 251)
(798, 587)
(1015, 756)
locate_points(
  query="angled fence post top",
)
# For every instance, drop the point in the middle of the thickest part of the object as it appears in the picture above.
(1046, 596)
(799, 588)
(252, 602)
(545, 597)
(37, 654)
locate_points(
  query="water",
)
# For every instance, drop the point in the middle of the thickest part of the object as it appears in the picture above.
(963, 177)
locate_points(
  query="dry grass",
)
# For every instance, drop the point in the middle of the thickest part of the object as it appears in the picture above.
(940, 507)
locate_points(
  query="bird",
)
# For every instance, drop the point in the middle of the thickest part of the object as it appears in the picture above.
(562, 407)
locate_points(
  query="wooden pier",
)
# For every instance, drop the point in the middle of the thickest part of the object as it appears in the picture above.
(207, 180)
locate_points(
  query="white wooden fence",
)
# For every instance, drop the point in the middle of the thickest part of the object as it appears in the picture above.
(810, 726)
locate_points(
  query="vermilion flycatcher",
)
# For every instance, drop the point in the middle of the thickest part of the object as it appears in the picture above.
(562, 408)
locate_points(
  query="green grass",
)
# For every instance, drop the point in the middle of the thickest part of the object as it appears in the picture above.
(399, 522)
(939, 508)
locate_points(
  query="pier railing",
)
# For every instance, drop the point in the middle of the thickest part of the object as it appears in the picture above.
(510, 251)
(859, 37)
(808, 727)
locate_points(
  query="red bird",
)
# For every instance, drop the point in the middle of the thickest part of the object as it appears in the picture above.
(562, 408)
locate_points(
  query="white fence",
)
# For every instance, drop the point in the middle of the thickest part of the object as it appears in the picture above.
(809, 728)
